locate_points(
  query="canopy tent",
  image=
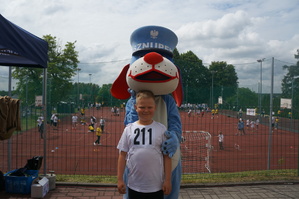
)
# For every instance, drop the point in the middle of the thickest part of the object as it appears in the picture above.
(19, 47)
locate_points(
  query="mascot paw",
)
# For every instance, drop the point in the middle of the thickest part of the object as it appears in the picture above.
(132, 92)
(170, 146)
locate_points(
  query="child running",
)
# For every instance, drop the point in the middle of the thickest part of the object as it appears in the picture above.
(140, 151)
(98, 134)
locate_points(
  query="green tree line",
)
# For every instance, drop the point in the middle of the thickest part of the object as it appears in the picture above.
(201, 84)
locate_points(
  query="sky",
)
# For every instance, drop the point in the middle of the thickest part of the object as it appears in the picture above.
(239, 32)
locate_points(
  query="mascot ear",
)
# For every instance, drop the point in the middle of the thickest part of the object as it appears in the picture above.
(178, 94)
(119, 88)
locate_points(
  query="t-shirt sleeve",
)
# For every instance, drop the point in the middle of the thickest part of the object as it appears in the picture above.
(123, 144)
(163, 130)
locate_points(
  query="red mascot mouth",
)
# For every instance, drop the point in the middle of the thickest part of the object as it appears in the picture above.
(152, 77)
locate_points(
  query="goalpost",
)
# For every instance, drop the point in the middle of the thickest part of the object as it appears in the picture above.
(196, 148)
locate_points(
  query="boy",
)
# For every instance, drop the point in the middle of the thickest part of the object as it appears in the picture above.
(102, 123)
(74, 121)
(90, 128)
(98, 134)
(140, 150)
(220, 139)
(93, 120)
(40, 125)
(55, 122)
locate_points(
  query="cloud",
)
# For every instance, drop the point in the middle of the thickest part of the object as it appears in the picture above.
(227, 38)
(238, 32)
(227, 27)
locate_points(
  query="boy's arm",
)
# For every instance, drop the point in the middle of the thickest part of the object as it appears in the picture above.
(120, 171)
(167, 175)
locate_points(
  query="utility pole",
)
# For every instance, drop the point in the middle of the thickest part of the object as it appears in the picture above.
(260, 87)
(297, 56)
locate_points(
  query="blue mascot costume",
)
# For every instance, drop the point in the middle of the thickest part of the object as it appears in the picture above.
(152, 68)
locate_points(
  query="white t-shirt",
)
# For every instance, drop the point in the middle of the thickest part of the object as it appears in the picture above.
(39, 121)
(55, 119)
(102, 121)
(221, 137)
(144, 155)
(75, 118)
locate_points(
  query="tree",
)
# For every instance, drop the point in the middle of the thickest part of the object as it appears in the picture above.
(197, 79)
(104, 95)
(224, 79)
(105, 98)
(289, 82)
(290, 85)
(62, 64)
(88, 91)
(243, 98)
(194, 76)
(61, 68)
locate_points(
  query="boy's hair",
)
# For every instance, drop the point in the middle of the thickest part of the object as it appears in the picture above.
(144, 94)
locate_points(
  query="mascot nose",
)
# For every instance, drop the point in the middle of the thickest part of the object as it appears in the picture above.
(153, 58)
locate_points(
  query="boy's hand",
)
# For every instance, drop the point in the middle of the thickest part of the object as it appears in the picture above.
(121, 187)
(167, 187)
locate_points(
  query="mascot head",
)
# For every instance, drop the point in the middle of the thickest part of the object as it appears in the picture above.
(151, 66)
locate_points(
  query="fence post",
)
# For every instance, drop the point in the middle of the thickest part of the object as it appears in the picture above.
(270, 117)
(44, 105)
(9, 140)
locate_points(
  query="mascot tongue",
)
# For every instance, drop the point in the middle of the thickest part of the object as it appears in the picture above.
(152, 76)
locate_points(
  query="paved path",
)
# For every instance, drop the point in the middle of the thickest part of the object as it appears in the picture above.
(257, 191)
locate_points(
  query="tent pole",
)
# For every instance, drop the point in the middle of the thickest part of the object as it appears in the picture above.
(45, 118)
(9, 140)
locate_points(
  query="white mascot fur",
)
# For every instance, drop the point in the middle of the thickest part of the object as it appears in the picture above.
(152, 68)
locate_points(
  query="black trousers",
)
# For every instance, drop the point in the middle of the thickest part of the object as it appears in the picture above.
(138, 195)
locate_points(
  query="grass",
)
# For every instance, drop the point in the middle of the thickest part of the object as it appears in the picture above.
(202, 178)
(86, 179)
(241, 177)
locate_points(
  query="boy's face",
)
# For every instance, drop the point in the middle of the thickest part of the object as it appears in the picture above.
(145, 108)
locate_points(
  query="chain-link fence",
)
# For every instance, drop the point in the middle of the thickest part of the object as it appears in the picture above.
(268, 141)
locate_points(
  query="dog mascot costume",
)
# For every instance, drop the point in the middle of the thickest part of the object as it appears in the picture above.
(151, 68)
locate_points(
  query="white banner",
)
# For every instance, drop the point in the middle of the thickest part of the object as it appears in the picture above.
(285, 103)
(250, 111)
(220, 100)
